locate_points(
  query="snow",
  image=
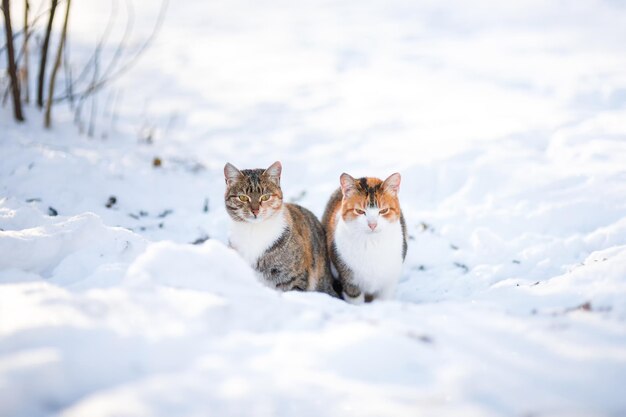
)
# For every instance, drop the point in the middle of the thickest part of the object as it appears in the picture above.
(507, 122)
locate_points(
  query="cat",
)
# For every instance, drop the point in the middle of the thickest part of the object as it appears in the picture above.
(366, 237)
(284, 243)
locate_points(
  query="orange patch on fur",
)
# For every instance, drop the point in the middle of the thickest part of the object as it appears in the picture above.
(361, 199)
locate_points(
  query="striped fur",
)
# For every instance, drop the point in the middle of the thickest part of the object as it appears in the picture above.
(284, 243)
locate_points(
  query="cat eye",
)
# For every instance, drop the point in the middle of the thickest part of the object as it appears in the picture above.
(384, 211)
(359, 211)
(244, 198)
(265, 197)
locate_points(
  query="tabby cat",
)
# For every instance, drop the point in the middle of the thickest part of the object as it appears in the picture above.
(366, 237)
(284, 243)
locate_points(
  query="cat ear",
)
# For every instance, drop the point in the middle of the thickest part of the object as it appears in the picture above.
(348, 184)
(231, 173)
(392, 184)
(273, 172)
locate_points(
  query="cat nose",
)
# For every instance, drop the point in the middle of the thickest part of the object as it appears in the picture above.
(372, 225)
(255, 212)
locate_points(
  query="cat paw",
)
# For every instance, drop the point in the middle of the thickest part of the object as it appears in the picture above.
(359, 299)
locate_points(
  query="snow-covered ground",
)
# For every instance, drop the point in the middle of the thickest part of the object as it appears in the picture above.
(507, 121)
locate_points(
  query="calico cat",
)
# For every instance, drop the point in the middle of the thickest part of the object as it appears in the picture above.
(366, 237)
(284, 243)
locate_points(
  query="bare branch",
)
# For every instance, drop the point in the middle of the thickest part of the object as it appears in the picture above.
(55, 68)
(107, 78)
(32, 24)
(44, 54)
(22, 52)
(122, 44)
(68, 72)
(15, 88)
(94, 104)
(25, 67)
(95, 55)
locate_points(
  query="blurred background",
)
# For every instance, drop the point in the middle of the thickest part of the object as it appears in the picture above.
(368, 87)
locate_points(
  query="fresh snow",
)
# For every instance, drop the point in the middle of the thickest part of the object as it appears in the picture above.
(507, 121)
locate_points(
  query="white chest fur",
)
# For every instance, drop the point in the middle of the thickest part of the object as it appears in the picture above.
(375, 258)
(251, 240)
